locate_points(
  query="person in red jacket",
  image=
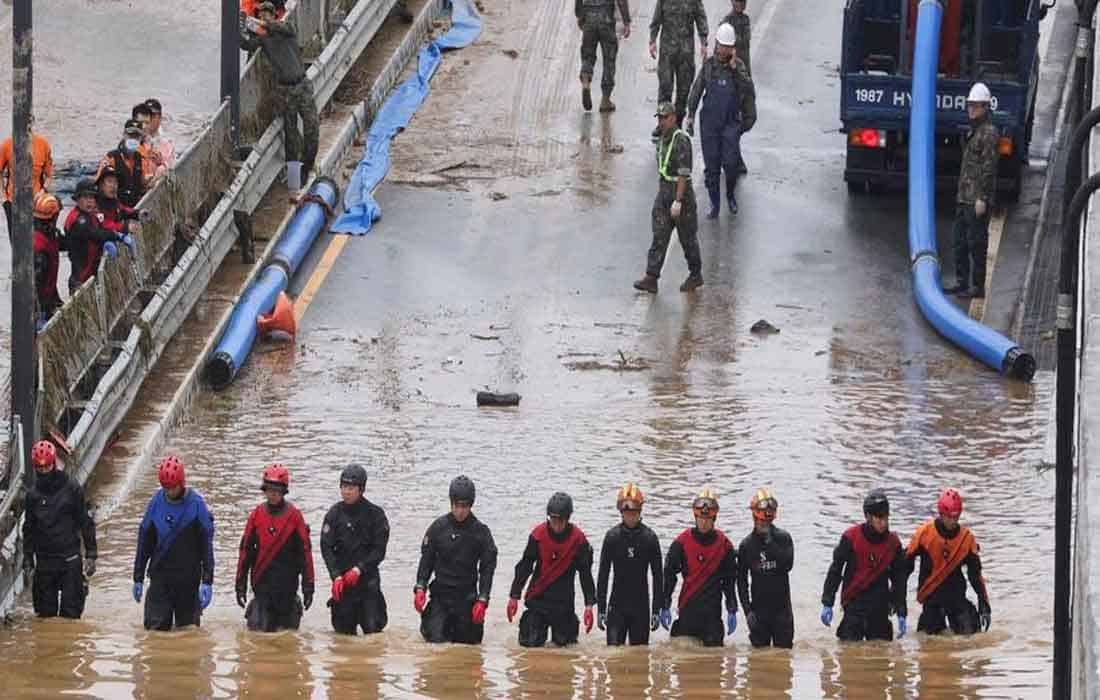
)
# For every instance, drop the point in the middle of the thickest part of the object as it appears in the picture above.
(117, 216)
(708, 562)
(275, 549)
(47, 255)
(944, 547)
(86, 237)
(556, 551)
(871, 564)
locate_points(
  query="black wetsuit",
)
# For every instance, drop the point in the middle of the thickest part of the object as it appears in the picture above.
(700, 615)
(357, 535)
(867, 614)
(768, 558)
(550, 610)
(630, 551)
(463, 557)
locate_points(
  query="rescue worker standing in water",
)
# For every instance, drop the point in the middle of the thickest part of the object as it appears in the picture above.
(767, 553)
(459, 550)
(871, 564)
(556, 551)
(629, 548)
(706, 559)
(176, 543)
(56, 518)
(353, 543)
(275, 548)
(944, 547)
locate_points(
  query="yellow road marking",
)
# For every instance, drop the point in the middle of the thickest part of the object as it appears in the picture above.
(996, 228)
(336, 244)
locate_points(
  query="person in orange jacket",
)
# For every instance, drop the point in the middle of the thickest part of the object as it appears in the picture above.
(944, 547)
(41, 170)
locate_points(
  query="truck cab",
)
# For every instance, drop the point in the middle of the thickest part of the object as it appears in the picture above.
(992, 41)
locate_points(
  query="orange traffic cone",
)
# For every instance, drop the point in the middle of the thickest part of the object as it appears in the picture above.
(281, 319)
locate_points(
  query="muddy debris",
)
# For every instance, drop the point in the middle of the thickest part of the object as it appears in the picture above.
(614, 148)
(497, 196)
(478, 336)
(622, 363)
(762, 327)
(490, 398)
(510, 53)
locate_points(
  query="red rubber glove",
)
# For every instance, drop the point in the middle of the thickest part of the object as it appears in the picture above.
(338, 589)
(513, 607)
(588, 620)
(420, 599)
(477, 614)
(351, 577)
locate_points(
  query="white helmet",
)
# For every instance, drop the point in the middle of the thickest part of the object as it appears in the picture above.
(979, 93)
(726, 35)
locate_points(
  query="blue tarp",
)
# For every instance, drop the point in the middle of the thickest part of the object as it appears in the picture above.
(360, 209)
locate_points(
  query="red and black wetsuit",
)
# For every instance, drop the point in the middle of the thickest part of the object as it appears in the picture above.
(86, 235)
(116, 215)
(47, 257)
(275, 548)
(874, 571)
(552, 561)
(708, 563)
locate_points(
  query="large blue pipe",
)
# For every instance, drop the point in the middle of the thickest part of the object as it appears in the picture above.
(980, 341)
(260, 297)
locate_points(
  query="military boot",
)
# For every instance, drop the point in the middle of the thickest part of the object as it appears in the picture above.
(732, 202)
(606, 105)
(693, 281)
(715, 201)
(586, 94)
(646, 284)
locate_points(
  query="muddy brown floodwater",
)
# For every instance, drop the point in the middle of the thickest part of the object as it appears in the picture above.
(672, 391)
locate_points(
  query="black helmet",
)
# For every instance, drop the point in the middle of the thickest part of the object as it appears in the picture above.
(355, 475)
(560, 505)
(462, 489)
(876, 503)
(86, 186)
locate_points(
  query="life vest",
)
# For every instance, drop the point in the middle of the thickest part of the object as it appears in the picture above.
(49, 246)
(272, 532)
(663, 158)
(947, 555)
(131, 181)
(555, 558)
(701, 561)
(871, 561)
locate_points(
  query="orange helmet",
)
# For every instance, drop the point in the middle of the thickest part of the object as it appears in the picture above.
(276, 475)
(705, 504)
(44, 454)
(46, 206)
(630, 495)
(763, 505)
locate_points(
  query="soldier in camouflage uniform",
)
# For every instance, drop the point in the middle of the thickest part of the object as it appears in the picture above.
(596, 18)
(294, 93)
(729, 110)
(672, 20)
(977, 185)
(739, 20)
(674, 205)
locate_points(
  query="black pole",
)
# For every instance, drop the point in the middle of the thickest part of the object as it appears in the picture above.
(1075, 157)
(22, 262)
(231, 64)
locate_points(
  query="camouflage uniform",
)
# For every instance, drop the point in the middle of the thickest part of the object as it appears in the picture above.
(729, 110)
(977, 180)
(672, 20)
(597, 22)
(673, 162)
(742, 25)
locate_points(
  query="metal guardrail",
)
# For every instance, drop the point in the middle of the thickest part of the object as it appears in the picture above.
(11, 510)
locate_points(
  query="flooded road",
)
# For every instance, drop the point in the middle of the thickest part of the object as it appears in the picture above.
(530, 243)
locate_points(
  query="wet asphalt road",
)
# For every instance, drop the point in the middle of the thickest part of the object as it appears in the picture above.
(671, 391)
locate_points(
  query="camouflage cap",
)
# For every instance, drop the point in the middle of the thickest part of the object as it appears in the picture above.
(664, 109)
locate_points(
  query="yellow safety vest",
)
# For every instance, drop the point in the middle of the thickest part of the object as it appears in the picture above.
(663, 158)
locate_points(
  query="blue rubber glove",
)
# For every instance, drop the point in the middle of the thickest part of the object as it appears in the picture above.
(665, 617)
(827, 615)
(128, 241)
(139, 588)
(110, 250)
(731, 622)
(206, 592)
(903, 626)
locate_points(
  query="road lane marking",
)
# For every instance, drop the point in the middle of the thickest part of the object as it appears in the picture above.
(336, 244)
(996, 228)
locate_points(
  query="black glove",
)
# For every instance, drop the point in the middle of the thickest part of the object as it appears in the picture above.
(307, 598)
(28, 564)
(751, 620)
(654, 622)
(89, 567)
(985, 615)
(601, 621)
(242, 597)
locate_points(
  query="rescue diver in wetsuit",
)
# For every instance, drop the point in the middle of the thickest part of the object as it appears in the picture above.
(870, 562)
(176, 541)
(55, 520)
(459, 549)
(353, 543)
(556, 550)
(767, 553)
(630, 548)
(275, 548)
(944, 547)
(708, 562)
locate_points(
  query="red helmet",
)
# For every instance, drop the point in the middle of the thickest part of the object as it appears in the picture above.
(44, 454)
(951, 503)
(170, 472)
(276, 475)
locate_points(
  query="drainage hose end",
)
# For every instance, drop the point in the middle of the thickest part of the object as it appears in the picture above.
(220, 370)
(1019, 364)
